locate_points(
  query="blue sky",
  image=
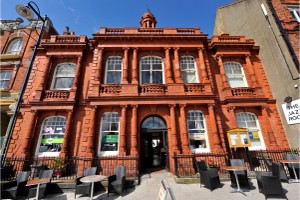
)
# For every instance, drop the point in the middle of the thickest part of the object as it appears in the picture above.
(84, 17)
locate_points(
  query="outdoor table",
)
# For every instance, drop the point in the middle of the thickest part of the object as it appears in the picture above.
(235, 169)
(296, 180)
(92, 179)
(37, 182)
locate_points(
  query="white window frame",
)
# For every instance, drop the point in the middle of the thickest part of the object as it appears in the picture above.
(55, 76)
(247, 118)
(6, 78)
(295, 11)
(105, 153)
(116, 60)
(57, 123)
(151, 60)
(231, 66)
(15, 46)
(191, 66)
(203, 129)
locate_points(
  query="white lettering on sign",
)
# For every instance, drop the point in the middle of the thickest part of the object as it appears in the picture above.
(292, 112)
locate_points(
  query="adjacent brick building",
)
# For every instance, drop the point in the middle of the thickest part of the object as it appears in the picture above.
(276, 31)
(144, 91)
(17, 41)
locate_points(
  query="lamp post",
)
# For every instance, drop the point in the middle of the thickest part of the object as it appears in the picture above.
(27, 12)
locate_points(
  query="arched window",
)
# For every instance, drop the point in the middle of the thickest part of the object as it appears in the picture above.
(109, 132)
(64, 76)
(113, 72)
(154, 122)
(249, 121)
(235, 74)
(52, 135)
(151, 70)
(15, 46)
(197, 131)
(188, 69)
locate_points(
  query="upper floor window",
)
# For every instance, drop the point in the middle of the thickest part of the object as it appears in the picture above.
(188, 69)
(197, 131)
(235, 74)
(64, 76)
(109, 132)
(52, 136)
(15, 46)
(113, 72)
(5, 78)
(151, 70)
(249, 121)
(295, 11)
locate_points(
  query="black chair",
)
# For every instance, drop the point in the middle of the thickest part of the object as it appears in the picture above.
(116, 182)
(209, 177)
(242, 175)
(291, 165)
(269, 182)
(14, 189)
(42, 190)
(84, 188)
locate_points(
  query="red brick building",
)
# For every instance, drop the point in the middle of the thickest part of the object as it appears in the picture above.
(146, 92)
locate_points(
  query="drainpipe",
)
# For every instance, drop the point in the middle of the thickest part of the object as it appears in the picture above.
(285, 37)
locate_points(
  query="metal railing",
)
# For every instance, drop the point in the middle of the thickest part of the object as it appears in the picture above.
(254, 161)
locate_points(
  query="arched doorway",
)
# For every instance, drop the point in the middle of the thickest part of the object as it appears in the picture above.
(154, 143)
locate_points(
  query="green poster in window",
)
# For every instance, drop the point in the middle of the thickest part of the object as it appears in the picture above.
(110, 139)
(52, 140)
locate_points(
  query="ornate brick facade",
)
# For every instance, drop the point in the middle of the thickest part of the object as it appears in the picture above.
(187, 109)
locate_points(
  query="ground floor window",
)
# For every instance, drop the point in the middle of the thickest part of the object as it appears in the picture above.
(197, 131)
(109, 133)
(249, 121)
(52, 135)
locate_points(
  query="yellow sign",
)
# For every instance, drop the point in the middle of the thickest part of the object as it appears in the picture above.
(239, 137)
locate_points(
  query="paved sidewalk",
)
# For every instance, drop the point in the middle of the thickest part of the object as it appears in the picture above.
(150, 184)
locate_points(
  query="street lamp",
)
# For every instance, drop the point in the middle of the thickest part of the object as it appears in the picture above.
(26, 12)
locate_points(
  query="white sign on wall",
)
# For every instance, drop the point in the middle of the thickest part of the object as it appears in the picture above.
(292, 112)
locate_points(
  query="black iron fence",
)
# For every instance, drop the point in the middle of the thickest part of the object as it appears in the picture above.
(67, 168)
(254, 161)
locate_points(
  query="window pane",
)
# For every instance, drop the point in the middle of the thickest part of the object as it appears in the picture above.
(235, 74)
(109, 134)
(113, 70)
(157, 77)
(15, 46)
(196, 130)
(52, 136)
(5, 78)
(146, 77)
(188, 69)
(64, 76)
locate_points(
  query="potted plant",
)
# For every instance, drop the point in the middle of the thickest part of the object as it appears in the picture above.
(58, 166)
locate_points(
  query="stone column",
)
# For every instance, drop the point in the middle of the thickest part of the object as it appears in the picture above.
(174, 139)
(250, 67)
(122, 131)
(168, 66)
(125, 66)
(78, 64)
(39, 91)
(212, 118)
(134, 148)
(202, 66)
(99, 64)
(134, 66)
(184, 133)
(178, 78)
(90, 138)
(222, 72)
(64, 148)
(29, 134)
(232, 119)
(267, 125)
